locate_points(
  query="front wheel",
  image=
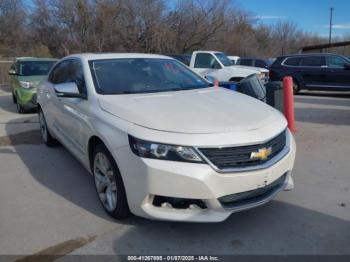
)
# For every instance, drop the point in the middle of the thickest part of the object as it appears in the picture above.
(45, 133)
(109, 183)
(20, 109)
(14, 99)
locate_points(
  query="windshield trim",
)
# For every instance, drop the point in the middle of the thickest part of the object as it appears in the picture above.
(101, 92)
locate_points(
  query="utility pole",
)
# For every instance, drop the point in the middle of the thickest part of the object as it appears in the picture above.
(330, 25)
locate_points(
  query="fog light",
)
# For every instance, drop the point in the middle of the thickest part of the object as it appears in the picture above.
(178, 203)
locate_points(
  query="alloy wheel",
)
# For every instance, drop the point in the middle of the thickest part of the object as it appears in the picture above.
(105, 181)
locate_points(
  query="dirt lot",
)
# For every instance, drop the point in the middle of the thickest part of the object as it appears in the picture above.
(48, 200)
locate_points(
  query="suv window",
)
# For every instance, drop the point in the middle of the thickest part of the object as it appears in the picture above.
(311, 61)
(292, 61)
(205, 60)
(245, 62)
(260, 63)
(335, 61)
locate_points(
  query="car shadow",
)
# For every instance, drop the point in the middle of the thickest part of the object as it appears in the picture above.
(323, 101)
(324, 94)
(55, 168)
(6, 103)
(276, 228)
(323, 116)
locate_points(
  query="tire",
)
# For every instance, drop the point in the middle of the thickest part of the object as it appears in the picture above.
(14, 99)
(296, 86)
(45, 133)
(20, 109)
(109, 183)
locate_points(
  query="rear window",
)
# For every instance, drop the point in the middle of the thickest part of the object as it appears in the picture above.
(292, 61)
(335, 61)
(311, 61)
(260, 63)
(245, 62)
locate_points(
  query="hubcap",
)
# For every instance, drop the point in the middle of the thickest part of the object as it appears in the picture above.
(43, 128)
(105, 181)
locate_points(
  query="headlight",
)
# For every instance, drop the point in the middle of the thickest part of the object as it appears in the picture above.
(26, 84)
(163, 152)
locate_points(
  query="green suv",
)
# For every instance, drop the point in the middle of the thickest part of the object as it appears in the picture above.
(25, 75)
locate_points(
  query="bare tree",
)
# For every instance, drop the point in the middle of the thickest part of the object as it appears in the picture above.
(61, 27)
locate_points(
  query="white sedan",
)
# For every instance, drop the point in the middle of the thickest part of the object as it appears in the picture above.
(161, 142)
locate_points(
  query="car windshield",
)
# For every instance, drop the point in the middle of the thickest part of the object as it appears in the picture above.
(35, 68)
(224, 59)
(143, 75)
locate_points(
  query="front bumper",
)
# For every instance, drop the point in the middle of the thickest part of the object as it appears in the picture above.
(145, 179)
(26, 97)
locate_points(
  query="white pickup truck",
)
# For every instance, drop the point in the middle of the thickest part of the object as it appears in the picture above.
(219, 66)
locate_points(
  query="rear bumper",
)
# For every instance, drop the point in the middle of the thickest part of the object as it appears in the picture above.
(145, 179)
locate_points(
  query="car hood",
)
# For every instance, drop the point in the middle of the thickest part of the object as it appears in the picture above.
(262, 70)
(32, 79)
(205, 111)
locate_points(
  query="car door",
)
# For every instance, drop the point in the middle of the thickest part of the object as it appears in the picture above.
(74, 120)
(52, 107)
(206, 64)
(313, 71)
(338, 76)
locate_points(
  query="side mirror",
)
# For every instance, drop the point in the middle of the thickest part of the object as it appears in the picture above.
(68, 90)
(347, 66)
(12, 72)
(210, 79)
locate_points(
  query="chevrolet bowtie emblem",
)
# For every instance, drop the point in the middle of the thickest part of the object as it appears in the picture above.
(262, 154)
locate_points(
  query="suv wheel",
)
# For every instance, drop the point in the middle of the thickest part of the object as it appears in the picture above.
(45, 133)
(109, 183)
(296, 87)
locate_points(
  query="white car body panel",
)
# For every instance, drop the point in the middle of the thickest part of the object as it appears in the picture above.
(209, 117)
(234, 58)
(226, 73)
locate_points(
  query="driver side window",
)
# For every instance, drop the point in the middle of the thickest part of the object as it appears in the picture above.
(59, 74)
(67, 71)
(205, 60)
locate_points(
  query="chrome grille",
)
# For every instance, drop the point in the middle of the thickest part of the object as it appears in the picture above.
(240, 157)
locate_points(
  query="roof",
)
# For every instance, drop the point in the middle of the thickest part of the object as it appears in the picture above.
(207, 51)
(308, 54)
(35, 59)
(100, 56)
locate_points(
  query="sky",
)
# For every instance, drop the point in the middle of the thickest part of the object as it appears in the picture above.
(309, 15)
